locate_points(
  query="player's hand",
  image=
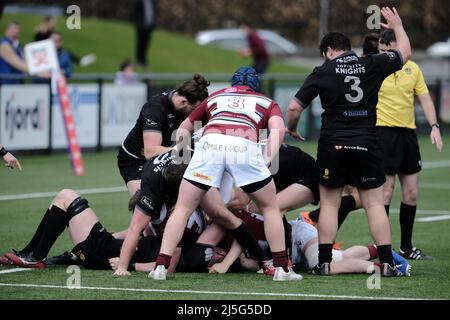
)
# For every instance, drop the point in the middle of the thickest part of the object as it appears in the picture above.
(11, 161)
(295, 135)
(218, 268)
(392, 18)
(436, 139)
(121, 272)
(114, 263)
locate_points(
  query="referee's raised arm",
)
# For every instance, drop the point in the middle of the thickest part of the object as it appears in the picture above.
(394, 22)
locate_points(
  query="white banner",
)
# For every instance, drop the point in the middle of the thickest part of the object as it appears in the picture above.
(24, 116)
(121, 106)
(41, 56)
(84, 102)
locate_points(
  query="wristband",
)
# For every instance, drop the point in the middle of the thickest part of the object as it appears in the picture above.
(3, 151)
(435, 125)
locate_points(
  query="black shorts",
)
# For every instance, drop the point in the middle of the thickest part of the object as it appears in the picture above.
(300, 170)
(147, 249)
(98, 247)
(307, 176)
(400, 149)
(130, 168)
(338, 166)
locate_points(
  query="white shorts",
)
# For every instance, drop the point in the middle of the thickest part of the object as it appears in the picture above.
(218, 153)
(312, 255)
(302, 233)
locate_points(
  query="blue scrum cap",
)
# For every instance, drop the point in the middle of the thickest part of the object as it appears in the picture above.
(246, 76)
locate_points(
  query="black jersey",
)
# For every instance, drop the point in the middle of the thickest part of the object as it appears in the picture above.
(348, 88)
(154, 192)
(157, 115)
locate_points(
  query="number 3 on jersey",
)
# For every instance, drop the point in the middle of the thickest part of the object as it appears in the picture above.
(355, 88)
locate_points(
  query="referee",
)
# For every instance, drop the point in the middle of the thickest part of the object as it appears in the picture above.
(348, 151)
(398, 140)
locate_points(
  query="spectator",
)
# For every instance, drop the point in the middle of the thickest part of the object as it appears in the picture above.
(45, 29)
(11, 54)
(257, 49)
(144, 19)
(126, 75)
(65, 63)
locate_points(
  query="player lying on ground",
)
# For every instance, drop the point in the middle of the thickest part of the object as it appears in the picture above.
(94, 245)
(304, 248)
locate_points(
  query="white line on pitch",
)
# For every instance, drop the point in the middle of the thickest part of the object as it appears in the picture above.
(437, 218)
(15, 270)
(272, 294)
(52, 194)
(436, 164)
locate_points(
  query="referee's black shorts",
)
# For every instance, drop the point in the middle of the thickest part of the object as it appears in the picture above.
(339, 165)
(400, 149)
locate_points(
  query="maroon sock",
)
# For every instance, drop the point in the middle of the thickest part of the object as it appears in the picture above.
(163, 260)
(280, 260)
(373, 252)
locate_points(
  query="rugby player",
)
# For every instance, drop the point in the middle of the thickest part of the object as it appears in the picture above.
(152, 133)
(348, 152)
(233, 118)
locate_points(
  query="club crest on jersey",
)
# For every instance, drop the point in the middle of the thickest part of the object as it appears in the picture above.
(408, 70)
(326, 174)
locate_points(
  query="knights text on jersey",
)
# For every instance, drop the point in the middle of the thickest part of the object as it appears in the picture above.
(156, 115)
(348, 88)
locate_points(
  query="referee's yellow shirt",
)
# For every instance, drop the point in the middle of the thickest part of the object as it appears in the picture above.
(396, 97)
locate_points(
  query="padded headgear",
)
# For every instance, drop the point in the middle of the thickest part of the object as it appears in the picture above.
(246, 76)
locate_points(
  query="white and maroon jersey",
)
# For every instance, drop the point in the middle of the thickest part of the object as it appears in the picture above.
(237, 111)
(195, 226)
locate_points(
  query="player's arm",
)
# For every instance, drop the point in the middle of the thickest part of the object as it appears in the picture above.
(10, 160)
(394, 22)
(232, 255)
(275, 138)
(430, 113)
(293, 114)
(8, 54)
(298, 104)
(138, 223)
(152, 144)
(185, 130)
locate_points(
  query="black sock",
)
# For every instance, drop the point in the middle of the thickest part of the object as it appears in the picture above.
(55, 224)
(386, 206)
(325, 253)
(245, 239)
(407, 216)
(348, 204)
(385, 254)
(314, 215)
(37, 235)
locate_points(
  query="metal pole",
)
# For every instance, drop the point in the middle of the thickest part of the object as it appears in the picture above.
(324, 14)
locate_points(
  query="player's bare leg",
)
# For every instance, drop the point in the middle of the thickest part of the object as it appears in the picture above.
(265, 199)
(293, 197)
